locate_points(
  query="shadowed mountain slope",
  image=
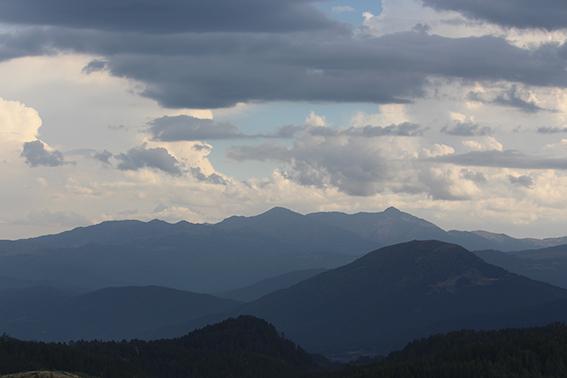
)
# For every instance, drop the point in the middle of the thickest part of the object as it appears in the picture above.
(547, 264)
(108, 314)
(396, 294)
(270, 285)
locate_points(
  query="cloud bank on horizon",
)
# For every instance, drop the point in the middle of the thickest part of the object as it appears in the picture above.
(184, 109)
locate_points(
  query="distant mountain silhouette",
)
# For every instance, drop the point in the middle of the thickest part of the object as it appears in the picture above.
(245, 347)
(270, 285)
(393, 226)
(547, 264)
(386, 228)
(213, 258)
(399, 293)
(108, 314)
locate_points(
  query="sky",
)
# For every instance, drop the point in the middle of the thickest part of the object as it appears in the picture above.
(452, 110)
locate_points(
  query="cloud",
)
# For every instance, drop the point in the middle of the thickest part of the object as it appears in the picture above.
(477, 177)
(168, 16)
(483, 144)
(437, 150)
(315, 120)
(213, 178)
(95, 66)
(343, 9)
(38, 154)
(215, 70)
(549, 14)
(18, 124)
(260, 152)
(154, 158)
(103, 156)
(503, 159)
(523, 181)
(187, 128)
(552, 130)
(511, 98)
(404, 129)
(466, 129)
(356, 165)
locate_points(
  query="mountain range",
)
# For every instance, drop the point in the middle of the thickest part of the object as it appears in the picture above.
(218, 258)
(391, 296)
(374, 305)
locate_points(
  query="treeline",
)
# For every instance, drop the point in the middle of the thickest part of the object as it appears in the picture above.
(520, 353)
(248, 348)
(236, 348)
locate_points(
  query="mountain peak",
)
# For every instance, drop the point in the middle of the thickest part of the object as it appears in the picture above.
(392, 210)
(280, 211)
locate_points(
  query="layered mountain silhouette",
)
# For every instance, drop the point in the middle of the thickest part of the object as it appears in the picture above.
(373, 305)
(270, 285)
(107, 314)
(215, 258)
(396, 294)
(546, 264)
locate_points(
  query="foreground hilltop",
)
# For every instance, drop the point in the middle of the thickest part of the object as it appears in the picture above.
(245, 347)
(512, 353)
(43, 374)
(249, 348)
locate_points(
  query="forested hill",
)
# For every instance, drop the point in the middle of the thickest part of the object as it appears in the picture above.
(516, 353)
(246, 347)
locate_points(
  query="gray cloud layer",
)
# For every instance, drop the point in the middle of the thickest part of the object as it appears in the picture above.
(510, 98)
(168, 16)
(523, 181)
(503, 159)
(546, 14)
(467, 129)
(211, 70)
(552, 130)
(177, 128)
(36, 154)
(154, 158)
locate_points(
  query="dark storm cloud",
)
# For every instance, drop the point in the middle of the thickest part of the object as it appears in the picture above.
(503, 159)
(187, 128)
(153, 158)
(377, 70)
(467, 129)
(220, 68)
(168, 16)
(36, 154)
(545, 14)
